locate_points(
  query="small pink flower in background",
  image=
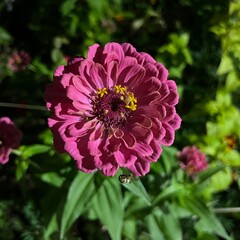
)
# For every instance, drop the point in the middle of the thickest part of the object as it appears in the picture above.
(10, 138)
(192, 160)
(18, 61)
(113, 109)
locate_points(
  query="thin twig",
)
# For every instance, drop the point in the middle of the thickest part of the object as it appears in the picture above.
(26, 106)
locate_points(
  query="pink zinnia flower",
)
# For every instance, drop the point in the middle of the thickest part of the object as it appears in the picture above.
(18, 61)
(113, 109)
(192, 160)
(10, 138)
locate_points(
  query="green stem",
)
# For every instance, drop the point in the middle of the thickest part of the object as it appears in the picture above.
(26, 106)
(227, 210)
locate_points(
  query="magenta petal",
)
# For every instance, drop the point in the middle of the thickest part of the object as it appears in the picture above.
(75, 95)
(95, 53)
(124, 158)
(175, 122)
(128, 139)
(133, 75)
(115, 48)
(59, 71)
(87, 164)
(157, 150)
(140, 168)
(162, 72)
(144, 150)
(169, 135)
(112, 72)
(108, 165)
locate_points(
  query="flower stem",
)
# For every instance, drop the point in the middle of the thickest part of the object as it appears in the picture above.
(26, 106)
(227, 210)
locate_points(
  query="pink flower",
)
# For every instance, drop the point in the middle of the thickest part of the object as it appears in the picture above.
(113, 109)
(10, 138)
(192, 160)
(18, 61)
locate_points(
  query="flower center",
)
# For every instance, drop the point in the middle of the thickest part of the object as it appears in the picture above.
(113, 106)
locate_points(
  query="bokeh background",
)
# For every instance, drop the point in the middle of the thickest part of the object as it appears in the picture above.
(43, 196)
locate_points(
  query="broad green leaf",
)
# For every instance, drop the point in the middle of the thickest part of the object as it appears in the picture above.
(67, 7)
(226, 65)
(52, 178)
(203, 176)
(80, 193)
(168, 193)
(22, 165)
(171, 227)
(164, 225)
(108, 204)
(130, 229)
(231, 158)
(201, 210)
(168, 158)
(154, 228)
(221, 180)
(138, 189)
(35, 149)
(51, 227)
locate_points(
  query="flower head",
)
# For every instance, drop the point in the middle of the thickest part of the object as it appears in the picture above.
(113, 109)
(192, 160)
(18, 61)
(10, 138)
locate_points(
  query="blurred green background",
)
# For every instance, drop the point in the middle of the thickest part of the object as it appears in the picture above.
(43, 196)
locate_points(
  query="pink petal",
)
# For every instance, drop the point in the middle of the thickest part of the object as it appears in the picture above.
(162, 72)
(128, 139)
(59, 71)
(124, 158)
(140, 168)
(175, 123)
(114, 48)
(95, 53)
(169, 135)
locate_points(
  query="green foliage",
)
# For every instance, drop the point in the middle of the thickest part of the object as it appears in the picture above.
(43, 196)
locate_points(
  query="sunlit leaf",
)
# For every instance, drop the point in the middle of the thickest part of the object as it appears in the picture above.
(108, 204)
(52, 178)
(35, 149)
(203, 212)
(80, 193)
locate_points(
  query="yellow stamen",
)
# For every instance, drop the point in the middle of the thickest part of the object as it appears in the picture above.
(120, 89)
(102, 92)
(131, 101)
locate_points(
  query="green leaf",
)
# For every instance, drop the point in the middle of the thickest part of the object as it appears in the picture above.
(21, 167)
(168, 193)
(51, 227)
(203, 176)
(161, 225)
(230, 157)
(108, 204)
(168, 158)
(138, 189)
(130, 229)
(154, 228)
(201, 210)
(226, 65)
(221, 180)
(80, 193)
(170, 222)
(32, 150)
(67, 7)
(5, 37)
(52, 178)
